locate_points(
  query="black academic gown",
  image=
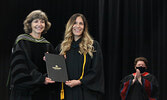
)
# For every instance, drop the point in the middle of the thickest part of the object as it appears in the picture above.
(92, 86)
(147, 91)
(28, 70)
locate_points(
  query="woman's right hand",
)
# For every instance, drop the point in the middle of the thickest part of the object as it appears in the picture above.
(48, 80)
(44, 57)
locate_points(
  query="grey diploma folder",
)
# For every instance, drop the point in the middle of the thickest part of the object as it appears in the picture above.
(56, 67)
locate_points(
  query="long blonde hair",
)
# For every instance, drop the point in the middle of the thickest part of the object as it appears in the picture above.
(86, 44)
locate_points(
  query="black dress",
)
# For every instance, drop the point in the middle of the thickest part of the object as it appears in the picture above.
(147, 91)
(28, 70)
(92, 86)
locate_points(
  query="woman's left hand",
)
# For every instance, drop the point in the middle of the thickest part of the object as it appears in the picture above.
(72, 83)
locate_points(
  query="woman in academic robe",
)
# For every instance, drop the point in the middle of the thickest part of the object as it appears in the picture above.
(140, 85)
(29, 80)
(84, 61)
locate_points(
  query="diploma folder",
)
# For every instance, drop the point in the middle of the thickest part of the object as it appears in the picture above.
(56, 67)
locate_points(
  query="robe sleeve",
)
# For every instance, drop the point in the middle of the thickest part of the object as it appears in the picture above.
(57, 49)
(125, 85)
(23, 72)
(94, 78)
(151, 87)
(50, 48)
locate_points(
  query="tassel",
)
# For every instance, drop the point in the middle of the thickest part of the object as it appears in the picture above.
(62, 92)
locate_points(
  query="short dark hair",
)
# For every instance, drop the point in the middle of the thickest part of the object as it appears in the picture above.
(141, 59)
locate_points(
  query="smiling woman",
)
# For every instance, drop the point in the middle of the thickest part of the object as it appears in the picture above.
(78, 28)
(29, 80)
(84, 61)
(38, 26)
